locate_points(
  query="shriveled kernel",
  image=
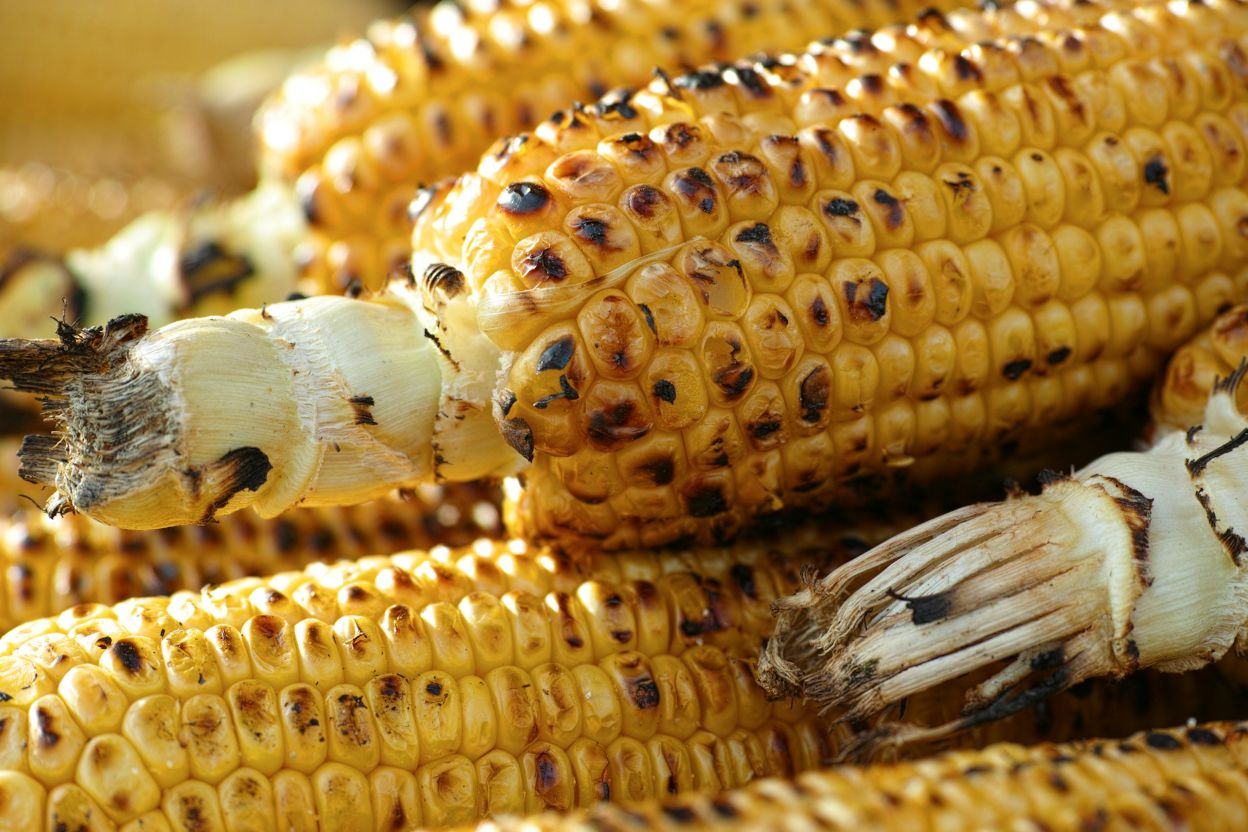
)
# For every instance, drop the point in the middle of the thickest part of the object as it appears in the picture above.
(480, 721)
(342, 797)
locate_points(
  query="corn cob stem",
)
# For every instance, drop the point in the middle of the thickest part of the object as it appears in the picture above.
(1193, 778)
(1135, 561)
(712, 342)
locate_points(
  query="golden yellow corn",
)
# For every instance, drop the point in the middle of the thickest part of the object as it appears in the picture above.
(422, 96)
(1184, 778)
(803, 277)
(770, 285)
(419, 688)
(50, 564)
(1179, 400)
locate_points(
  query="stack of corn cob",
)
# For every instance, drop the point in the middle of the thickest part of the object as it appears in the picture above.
(770, 283)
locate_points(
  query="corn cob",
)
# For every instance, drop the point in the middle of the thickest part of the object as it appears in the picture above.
(640, 665)
(380, 127)
(786, 296)
(1179, 400)
(49, 565)
(420, 689)
(1138, 560)
(1184, 778)
(422, 96)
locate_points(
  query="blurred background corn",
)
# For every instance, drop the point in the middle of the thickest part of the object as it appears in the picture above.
(1183, 778)
(889, 256)
(113, 110)
(50, 564)
(423, 95)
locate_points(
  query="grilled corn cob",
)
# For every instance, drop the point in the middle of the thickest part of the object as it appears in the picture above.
(417, 102)
(422, 96)
(1184, 778)
(763, 285)
(1138, 560)
(418, 689)
(1179, 400)
(49, 565)
(421, 688)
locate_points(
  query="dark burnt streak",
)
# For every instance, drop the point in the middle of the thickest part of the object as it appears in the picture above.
(242, 469)
(697, 188)
(524, 198)
(894, 215)
(706, 79)
(868, 305)
(665, 390)
(814, 394)
(566, 391)
(707, 501)
(838, 207)
(644, 199)
(1197, 466)
(558, 355)
(362, 407)
(1157, 174)
(951, 120)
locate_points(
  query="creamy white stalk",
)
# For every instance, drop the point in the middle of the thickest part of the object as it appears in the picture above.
(1137, 560)
(319, 401)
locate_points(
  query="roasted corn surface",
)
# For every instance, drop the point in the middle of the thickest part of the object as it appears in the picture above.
(771, 283)
(1216, 353)
(419, 689)
(51, 564)
(422, 96)
(1185, 778)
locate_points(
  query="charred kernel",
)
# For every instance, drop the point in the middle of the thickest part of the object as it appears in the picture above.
(867, 301)
(1157, 174)
(665, 390)
(697, 189)
(524, 198)
(557, 356)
